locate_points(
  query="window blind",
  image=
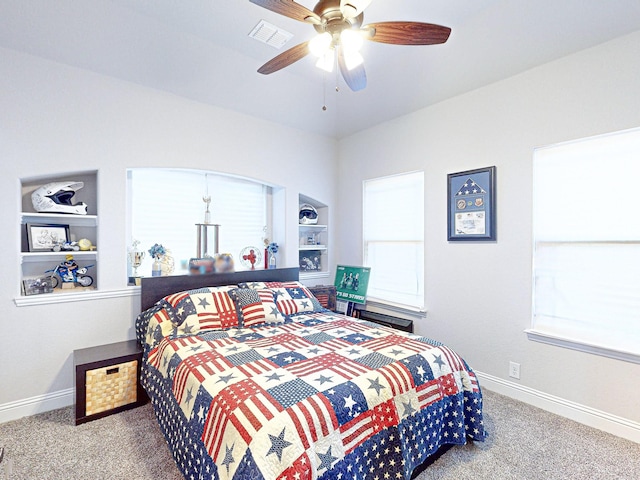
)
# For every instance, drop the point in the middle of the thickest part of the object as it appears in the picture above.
(393, 238)
(586, 254)
(167, 203)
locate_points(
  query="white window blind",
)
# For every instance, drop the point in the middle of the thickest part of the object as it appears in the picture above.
(587, 241)
(393, 234)
(167, 203)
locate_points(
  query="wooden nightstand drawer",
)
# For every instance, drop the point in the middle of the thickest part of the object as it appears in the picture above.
(107, 380)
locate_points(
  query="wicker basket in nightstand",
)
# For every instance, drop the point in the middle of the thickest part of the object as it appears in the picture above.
(106, 380)
(111, 387)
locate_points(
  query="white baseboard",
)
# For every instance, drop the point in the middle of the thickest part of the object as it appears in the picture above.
(604, 421)
(31, 406)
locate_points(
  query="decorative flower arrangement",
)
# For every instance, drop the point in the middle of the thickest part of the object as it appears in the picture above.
(272, 248)
(157, 251)
(160, 255)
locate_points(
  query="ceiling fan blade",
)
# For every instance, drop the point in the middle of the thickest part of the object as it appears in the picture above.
(285, 59)
(407, 33)
(356, 78)
(290, 9)
(353, 8)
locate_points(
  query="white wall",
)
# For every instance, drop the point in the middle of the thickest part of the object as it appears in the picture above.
(478, 295)
(56, 119)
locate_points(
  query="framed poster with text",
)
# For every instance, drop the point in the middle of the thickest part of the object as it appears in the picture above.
(471, 205)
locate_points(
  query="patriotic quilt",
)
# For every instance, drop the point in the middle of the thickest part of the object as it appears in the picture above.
(305, 395)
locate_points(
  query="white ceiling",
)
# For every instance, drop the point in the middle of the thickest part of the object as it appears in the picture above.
(200, 49)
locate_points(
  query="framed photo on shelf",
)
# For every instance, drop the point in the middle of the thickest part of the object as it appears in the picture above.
(37, 285)
(310, 260)
(43, 237)
(471, 205)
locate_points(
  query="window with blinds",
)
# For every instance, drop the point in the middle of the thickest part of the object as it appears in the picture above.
(586, 232)
(393, 236)
(165, 205)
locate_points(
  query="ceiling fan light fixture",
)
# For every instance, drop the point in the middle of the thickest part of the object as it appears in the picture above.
(320, 44)
(327, 61)
(351, 40)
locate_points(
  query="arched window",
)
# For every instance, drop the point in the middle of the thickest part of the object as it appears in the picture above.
(166, 204)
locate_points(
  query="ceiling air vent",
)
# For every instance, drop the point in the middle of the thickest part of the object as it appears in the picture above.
(270, 34)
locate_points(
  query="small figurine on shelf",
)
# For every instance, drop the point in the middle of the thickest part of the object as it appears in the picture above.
(250, 256)
(67, 270)
(224, 263)
(272, 249)
(66, 246)
(86, 245)
(69, 274)
(157, 252)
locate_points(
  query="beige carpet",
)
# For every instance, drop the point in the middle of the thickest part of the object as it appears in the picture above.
(524, 443)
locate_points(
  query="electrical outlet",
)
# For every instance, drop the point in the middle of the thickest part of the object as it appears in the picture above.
(514, 370)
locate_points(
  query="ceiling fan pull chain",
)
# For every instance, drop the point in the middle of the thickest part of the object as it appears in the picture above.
(324, 91)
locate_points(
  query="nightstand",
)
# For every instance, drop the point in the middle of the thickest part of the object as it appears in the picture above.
(107, 380)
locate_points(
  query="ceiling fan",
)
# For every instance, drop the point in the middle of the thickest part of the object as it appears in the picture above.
(341, 34)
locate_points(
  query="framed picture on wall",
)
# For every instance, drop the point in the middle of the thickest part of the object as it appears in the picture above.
(44, 237)
(471, 205)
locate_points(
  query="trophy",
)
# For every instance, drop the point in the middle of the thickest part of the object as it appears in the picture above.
(207, 214)
(207, 232)
(136, 257)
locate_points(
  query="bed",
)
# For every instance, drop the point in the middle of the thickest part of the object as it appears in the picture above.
(251, 378)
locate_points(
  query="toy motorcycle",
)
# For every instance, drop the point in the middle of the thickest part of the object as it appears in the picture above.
(67, 274)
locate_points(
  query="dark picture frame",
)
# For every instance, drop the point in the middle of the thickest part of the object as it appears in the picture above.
(310, 260)
(42, 237)
(471, 205)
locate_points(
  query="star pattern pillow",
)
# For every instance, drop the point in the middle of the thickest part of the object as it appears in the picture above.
(291, 297)
(209, 308)
(256, 307)
(298, 299)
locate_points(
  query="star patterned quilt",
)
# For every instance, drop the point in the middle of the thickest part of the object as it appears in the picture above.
(263, 383)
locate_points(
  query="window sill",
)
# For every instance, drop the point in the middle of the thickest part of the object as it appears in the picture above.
(51, 298)
(395, 309)
(543, 337)
(307, 275)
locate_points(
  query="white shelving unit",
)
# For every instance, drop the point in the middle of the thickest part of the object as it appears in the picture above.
(34, 264)
(313, 242)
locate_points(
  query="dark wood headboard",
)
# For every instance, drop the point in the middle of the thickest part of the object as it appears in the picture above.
(155, 288)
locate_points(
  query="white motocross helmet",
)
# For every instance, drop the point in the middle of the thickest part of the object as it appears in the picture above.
(56, 197)
(308, 215)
